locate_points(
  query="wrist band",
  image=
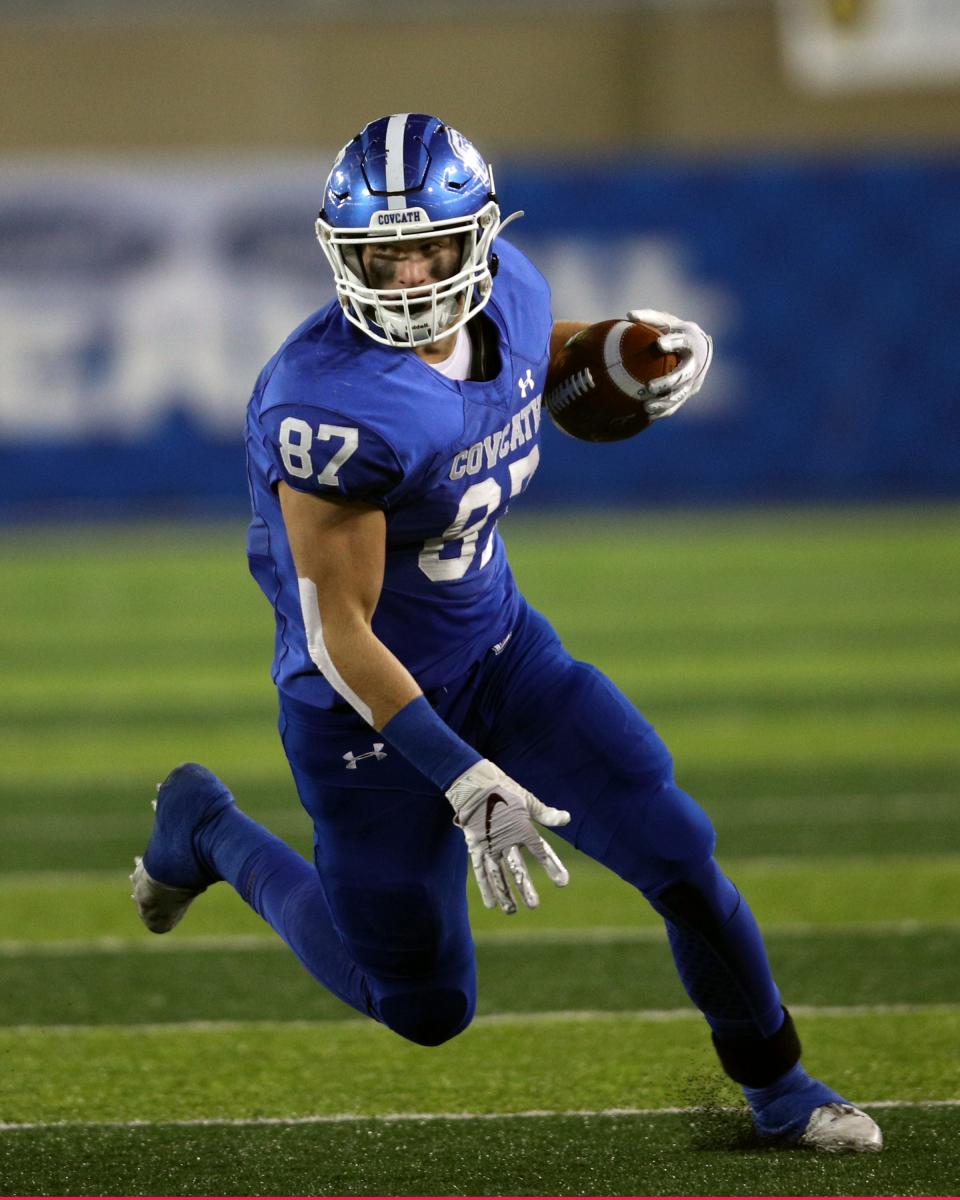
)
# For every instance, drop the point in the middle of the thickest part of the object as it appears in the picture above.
(429, 743)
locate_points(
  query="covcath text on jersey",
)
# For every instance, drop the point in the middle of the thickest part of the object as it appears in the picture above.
(521, 428)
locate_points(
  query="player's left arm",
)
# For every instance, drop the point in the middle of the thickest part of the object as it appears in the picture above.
(686, 339)
(562, 332)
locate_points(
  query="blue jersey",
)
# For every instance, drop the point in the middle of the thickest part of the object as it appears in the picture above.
(334, 413)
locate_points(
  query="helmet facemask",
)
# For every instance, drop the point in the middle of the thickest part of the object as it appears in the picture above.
(415, 316)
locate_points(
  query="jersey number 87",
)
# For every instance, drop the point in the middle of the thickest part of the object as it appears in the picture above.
(483, 497)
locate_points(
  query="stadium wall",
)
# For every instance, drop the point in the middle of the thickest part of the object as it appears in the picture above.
(138, 301)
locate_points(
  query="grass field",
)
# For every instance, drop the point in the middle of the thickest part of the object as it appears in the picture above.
(804, 667)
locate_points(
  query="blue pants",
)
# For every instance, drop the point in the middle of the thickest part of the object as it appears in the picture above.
(392, 866)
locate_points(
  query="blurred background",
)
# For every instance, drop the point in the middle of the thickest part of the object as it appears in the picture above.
(787, 174)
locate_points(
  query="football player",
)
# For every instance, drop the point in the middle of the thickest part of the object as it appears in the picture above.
(430, 716)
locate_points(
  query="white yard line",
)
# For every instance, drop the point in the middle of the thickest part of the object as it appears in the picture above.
(658, 1015)
(598, 935)
(647, 1015)
(55, 877)
(398, 1118)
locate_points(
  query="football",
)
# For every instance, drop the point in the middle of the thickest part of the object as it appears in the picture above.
(596, 382)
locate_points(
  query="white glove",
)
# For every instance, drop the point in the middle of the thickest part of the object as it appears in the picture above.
(496, 815)
(695, 350)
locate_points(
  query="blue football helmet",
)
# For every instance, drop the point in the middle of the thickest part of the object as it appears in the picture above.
(406, 176)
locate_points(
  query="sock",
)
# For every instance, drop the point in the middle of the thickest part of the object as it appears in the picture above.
(784, 1106)
(280, 885)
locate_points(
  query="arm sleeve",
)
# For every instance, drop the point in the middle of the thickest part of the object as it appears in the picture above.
(317, 450)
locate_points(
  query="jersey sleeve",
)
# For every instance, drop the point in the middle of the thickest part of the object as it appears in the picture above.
(317, 450)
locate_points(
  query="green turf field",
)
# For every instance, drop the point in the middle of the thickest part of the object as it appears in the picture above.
(804, 667)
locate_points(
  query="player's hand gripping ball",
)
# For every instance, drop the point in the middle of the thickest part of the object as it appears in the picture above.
(597, 384)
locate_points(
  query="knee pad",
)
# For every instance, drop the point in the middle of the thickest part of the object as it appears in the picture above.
(703, 898)
(429, 1017)
(659, 839)
(679, 832)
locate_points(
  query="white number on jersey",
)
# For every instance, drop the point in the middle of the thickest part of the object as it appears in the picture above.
(296, 442)
(484, 498)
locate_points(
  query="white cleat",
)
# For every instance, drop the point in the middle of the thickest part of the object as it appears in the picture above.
(160, 906)
(839, 1128)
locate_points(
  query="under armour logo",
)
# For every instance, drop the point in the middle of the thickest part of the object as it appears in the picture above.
(526, 383)
(352, 759)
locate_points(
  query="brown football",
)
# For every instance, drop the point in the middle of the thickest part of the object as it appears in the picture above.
(596, 383)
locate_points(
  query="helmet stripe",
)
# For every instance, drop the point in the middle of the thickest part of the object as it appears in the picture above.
(396, 178)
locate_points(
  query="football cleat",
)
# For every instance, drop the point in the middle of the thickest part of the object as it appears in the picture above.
(838, 1128)
(170, 875)
(799, 1110)
(160, 907)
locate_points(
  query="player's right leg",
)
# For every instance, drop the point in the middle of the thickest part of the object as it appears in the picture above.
(380, 920)
(200, 837)
(393, 868)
